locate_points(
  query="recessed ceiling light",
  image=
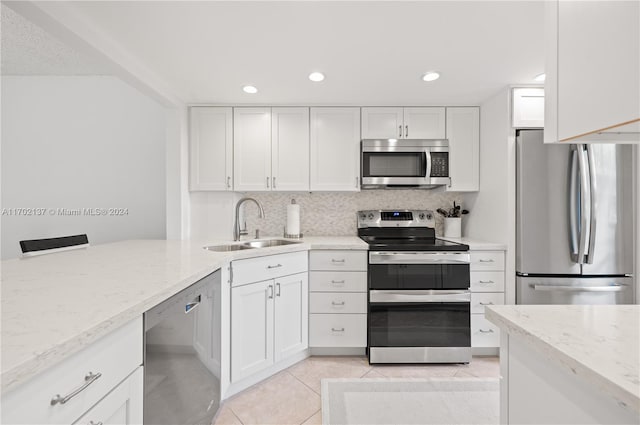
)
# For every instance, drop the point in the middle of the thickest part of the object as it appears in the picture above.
(250, 89)
(316, 77)
(540, 77)
(431, 76)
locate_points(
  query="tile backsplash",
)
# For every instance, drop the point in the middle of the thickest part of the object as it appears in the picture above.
(334, 213)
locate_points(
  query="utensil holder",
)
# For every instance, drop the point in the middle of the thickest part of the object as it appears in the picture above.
(453, 227)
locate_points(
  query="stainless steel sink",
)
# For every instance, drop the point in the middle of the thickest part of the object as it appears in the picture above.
(227, 248)
(268, 243)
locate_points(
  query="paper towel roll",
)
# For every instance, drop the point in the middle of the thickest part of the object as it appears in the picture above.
(293, 219)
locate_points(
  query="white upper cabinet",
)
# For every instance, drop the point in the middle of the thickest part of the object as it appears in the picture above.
(424, 123)
(290, 149)
(335, 149)
(463, 132)
(382, 123)
(211, 148)
(252, 149)
(592, 87)
(403, 123)
(527, 110)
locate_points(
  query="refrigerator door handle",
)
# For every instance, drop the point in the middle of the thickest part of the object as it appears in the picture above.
(584, 204)
(574, 199)
(592, 205)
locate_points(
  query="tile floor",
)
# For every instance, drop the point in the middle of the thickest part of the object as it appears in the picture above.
(293, 395)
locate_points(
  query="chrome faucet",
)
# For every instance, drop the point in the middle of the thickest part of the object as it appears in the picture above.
(236, 227)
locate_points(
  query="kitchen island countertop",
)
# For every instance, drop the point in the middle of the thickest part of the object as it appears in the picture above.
(599, 344)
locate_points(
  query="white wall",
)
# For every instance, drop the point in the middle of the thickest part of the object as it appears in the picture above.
(492, 210)
(81, 142)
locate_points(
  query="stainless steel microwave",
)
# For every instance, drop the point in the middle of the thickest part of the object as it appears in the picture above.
(404, 163)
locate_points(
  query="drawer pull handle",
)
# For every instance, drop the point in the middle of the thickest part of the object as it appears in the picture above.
(274, 267)
(338, 282)
(337, 261)
(490, 260)
(89, 379)
(337, 303)
(490, 331)
(337, 330)
(489, 303)
(486, 281)
(95, 423)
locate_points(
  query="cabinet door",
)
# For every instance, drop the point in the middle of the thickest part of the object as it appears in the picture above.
(122, 406)
(382, 123)
(291, 315)
(527, 110)
(251, 329)
(252, 149)
(335, 149)
(463, 132)
(592, 67)
(290, 148)
(211, 148)
(424, 123)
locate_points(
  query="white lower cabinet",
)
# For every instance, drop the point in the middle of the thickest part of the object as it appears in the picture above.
(487, 288)
(269, 323)
(338, 299)
(63, 393)
(122, 406)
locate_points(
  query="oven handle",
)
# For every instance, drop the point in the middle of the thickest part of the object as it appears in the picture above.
(427, 296)
(419, 258)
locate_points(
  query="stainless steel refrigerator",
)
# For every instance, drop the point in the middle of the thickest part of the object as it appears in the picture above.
(575, 216)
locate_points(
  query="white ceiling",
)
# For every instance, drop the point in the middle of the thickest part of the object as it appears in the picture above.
(373, 53)
(26, 49)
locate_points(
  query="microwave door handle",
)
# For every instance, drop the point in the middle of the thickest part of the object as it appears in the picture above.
(427, 164)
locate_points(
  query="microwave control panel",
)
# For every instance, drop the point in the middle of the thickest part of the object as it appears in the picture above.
(439, 164)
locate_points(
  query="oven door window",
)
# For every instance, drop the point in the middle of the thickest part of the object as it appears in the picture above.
(418, 276)
(394, 164)
(419, 325)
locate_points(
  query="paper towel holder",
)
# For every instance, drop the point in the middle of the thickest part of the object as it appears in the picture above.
(284, 229)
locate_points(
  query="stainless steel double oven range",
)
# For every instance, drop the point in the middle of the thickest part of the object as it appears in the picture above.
(419, 298)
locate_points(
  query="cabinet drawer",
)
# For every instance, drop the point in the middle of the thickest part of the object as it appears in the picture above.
(114, 356)
(337, 330)
(338, 260)
(479, 300)
(268, 267)
(483, 332)
(123, 405)
(487, 281)
(487, 260)
(337, 281)
(338, 302)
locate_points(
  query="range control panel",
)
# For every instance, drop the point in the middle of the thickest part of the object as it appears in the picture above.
(396, 218)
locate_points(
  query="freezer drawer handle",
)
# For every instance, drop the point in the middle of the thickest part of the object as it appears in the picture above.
(566, 288)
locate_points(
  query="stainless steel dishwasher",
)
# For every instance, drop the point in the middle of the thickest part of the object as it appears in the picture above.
(182, 356)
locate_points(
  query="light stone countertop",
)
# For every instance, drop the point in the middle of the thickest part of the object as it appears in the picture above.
(56, 304)
(599, 343)
(477, 245)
